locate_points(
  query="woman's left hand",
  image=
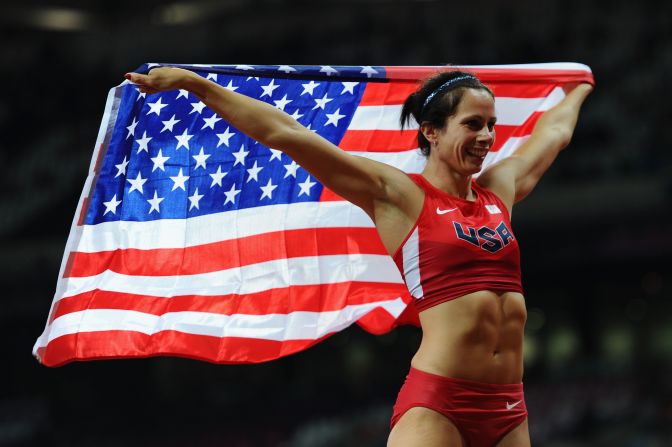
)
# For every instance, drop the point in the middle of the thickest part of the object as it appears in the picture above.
(160, 79)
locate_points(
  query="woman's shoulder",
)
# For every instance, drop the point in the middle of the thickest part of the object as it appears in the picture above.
(496, 183)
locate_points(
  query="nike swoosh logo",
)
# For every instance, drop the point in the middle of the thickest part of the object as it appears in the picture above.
(510, 406)
(440, 211)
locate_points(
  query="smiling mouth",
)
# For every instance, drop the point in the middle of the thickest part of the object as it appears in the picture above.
(478, 153)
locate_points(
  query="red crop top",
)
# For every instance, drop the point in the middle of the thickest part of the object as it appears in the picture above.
(458, 247)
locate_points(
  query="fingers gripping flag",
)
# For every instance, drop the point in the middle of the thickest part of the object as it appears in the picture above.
(191, 239)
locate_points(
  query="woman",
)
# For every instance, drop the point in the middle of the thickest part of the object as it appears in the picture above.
(449, 235)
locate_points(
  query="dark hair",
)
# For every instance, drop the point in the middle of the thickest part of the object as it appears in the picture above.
(441, 101)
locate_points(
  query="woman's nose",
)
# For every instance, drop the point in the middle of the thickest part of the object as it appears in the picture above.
(486, 135)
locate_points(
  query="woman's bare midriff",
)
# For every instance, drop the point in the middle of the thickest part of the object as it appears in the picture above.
(477, 337)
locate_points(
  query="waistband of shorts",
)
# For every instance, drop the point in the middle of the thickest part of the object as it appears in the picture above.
(482, 387)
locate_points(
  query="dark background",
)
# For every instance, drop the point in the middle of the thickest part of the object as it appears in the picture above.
(596, 235)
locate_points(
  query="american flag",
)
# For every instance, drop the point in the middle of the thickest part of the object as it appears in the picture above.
(191, 239)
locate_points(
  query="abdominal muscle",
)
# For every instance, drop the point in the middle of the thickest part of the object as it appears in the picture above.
(478, 336)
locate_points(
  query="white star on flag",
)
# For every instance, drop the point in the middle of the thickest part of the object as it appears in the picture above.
(231, 87)
(155, 202)
(183, 140)
(349, 87)
(155, 107)
(296, 115)
(168, 125)
(305, 186)
(231, 194)
(137, 183)
(268, 89)
(286, 68)
(194, 199)
(158, 161)
(121, 167)
(308, 88)
(268, 190)
(111, 205)
(240, 156)
(217, 177)
(131, 128)
(212, 76)
(281, 103)
(328, 70)
(334, 117)
(143, 142)
(210, 122)
(200, 159)
(320, 103)
(179, 181)
(183, 94)
(224, 138)
(291, 169)
(275, 154)
(197, 107)
(253, 172)
(369, 71)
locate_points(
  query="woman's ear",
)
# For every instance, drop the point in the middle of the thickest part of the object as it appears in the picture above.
(429, 131)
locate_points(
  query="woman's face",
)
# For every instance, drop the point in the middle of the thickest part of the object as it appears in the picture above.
(467, 136)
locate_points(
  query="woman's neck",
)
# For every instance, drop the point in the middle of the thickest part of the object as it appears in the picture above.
(449, 181)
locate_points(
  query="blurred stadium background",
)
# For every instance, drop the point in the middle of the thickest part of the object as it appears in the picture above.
(596, 235)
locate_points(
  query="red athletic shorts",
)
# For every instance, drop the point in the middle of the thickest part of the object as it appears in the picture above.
(482, 412)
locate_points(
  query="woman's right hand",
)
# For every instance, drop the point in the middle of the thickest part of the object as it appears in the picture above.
(160, 79)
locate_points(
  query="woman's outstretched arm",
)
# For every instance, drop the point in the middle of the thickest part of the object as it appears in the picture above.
(516, 176)
(359, 180)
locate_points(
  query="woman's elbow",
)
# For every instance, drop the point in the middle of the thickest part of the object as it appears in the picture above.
(561, 136)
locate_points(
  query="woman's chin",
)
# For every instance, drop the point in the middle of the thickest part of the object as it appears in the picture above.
(473, 167)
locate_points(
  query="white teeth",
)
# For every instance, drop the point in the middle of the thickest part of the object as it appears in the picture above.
(477, 154)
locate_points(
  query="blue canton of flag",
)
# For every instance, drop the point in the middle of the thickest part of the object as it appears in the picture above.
(170, 157)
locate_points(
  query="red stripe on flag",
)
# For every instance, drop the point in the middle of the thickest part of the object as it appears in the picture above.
(125, 344)
(492, 74)
(396, 140)
(227, 254)
(387, 93)
(379, 140)
(310, 298)
(520, 90)
(503, 133)
(396, 92)
(83, 211)
(330, 196)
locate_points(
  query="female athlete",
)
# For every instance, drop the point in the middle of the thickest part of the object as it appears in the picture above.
(450, 236)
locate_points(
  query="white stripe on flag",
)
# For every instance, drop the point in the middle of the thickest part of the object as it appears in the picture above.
(507, 149)
(553, 99)
(411, 161)
(510, 112)
(308, 270)
(378, 118)
(180, 233)
(292, 326)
